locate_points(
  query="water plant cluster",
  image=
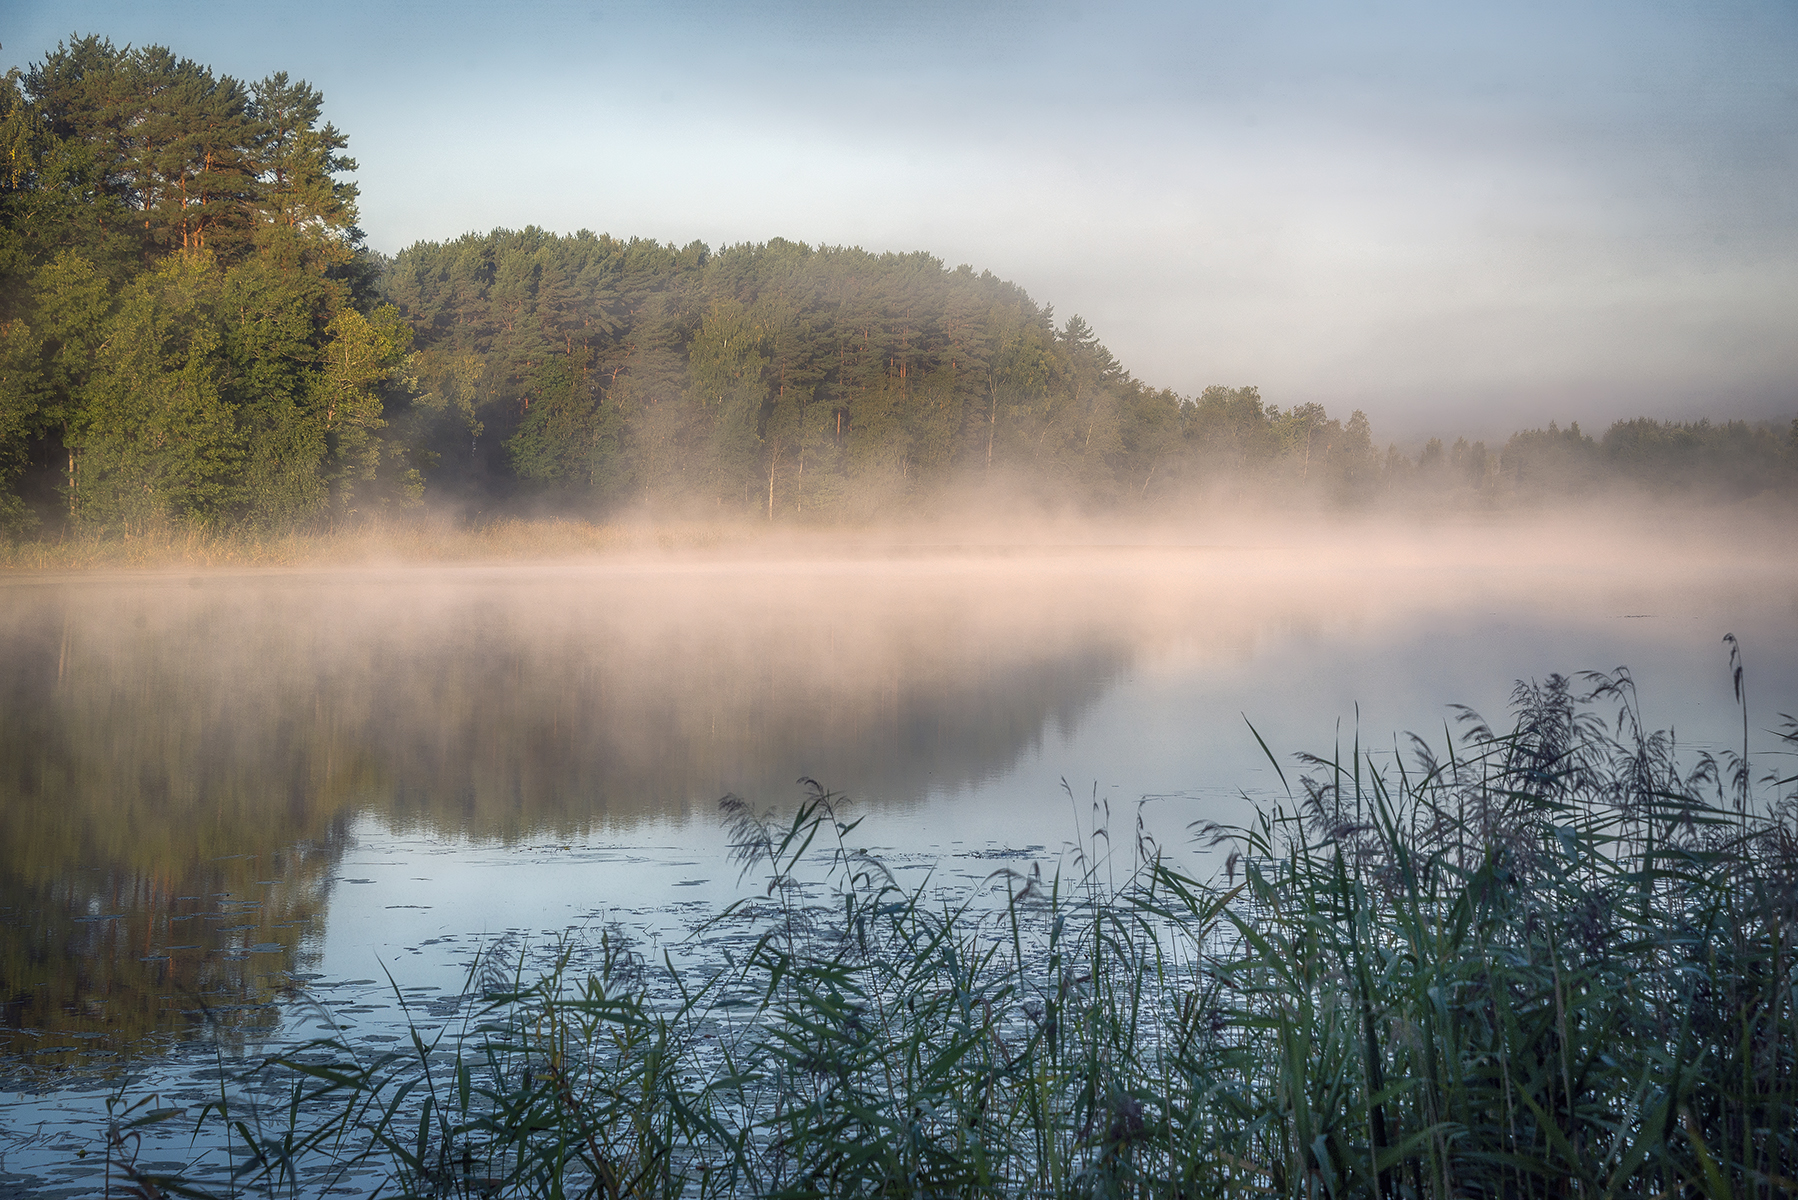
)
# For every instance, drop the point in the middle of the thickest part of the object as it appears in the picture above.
(1553, 961)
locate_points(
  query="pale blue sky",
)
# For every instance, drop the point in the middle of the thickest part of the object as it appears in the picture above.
(1456, 216)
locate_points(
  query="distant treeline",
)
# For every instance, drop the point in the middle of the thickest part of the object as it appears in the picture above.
(192, 331)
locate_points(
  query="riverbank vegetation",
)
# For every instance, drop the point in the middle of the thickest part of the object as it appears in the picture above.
(194, 337)
(1552, 961)
(376, 542)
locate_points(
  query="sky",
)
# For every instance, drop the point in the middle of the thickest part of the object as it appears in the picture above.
(1461, 218)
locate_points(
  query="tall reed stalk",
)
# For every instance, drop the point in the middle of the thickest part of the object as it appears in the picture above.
(1551, 962)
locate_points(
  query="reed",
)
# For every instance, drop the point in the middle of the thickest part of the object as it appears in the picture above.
(1552, 962)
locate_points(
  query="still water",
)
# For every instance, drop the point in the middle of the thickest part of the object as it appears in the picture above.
(222, 791)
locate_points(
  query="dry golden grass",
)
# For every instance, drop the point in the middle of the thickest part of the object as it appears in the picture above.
(1586, 540)
(509, 539)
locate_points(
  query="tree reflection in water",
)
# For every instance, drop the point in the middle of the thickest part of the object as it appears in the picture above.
(180, 759)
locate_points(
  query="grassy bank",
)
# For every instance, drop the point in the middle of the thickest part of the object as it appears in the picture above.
(1555, 961)
(1729, 537)
(508, 539)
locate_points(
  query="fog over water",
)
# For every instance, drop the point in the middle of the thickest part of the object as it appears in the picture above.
(240, 807)
(214, 781)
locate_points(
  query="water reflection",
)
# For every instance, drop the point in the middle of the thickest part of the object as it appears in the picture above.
(99, 960)
(181, 757)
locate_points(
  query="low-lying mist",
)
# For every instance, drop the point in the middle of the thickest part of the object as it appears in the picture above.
(682, 663)
(172, 735)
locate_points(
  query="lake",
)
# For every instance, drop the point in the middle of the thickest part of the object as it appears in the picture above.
(222, 792)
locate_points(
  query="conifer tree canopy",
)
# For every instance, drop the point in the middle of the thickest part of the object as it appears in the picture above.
(192, 332)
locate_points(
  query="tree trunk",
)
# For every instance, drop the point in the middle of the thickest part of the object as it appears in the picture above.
(992, 424)
(773, 465)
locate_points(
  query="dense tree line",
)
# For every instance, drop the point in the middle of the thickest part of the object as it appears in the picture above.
(192, 331)
(776, 378)
(187, 328)
(1728, 460)
(785, 379)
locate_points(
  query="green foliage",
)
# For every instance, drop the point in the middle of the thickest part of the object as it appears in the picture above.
(361, 355)
(155, 440)
(1692, 460)
(632, 371)
(783, 379)
(584, 371)
(1734, 458)
(1551, 460)
(567, 438)
(1542, 963)
(772, 378)
(186, 337)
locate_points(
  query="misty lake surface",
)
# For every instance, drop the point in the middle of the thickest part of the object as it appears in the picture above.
(251, 788)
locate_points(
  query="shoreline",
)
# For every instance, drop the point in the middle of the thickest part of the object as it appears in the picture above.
(1575, 536)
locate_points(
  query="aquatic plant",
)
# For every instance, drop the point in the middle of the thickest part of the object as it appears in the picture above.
(1555, 961)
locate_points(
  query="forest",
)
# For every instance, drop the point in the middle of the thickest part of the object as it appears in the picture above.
(193, 332)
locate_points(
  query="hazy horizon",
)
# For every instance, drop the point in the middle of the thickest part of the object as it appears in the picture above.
(1461, 223)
